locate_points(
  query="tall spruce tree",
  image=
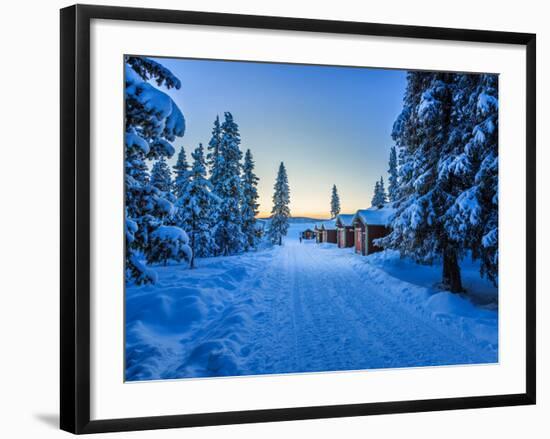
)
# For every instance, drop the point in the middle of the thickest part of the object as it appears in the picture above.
(280, 212)
(227, 186)
(199, 204)
(213, 155)
(473, 218)
(447, 195)
(379, 197)
(334, 202)
(152, 121)
(161, 180)
(182, 177)
(249, 201)
(214, 162)
(421, 133)
(382, 189)
(181, 174)
(375, 193)
(392, 171)
(161, 177)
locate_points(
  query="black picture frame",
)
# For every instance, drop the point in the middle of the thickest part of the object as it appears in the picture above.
(75, 217)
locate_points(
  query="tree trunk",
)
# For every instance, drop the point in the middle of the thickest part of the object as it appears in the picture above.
(451, 272)
(192, 261)
(280, 240)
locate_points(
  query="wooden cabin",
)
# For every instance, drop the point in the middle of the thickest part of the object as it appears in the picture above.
(326, 232)
(330, 235)
(307, 234)
(368, 225)
(345, 230)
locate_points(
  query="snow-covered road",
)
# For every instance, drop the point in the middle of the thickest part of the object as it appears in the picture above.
(302, 307)
(326, 315)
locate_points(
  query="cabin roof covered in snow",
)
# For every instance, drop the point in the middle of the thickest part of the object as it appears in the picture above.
(327, 224)
(374, 216)
(346, 219)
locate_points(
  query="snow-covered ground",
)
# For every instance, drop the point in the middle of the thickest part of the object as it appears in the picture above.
(305, 307)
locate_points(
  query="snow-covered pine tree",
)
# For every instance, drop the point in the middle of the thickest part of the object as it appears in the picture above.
(485, 138)
(229, 236)
(161, 177)
(213, 162)
(249, 201)
(152, 121)
(213, 151)
(473, 218)
(181, 174)
(334, 202)
(421, 133)
(375, 193)
(199, 202)
(278, 226)
(379, 197)
(182, 177)
(161, 180)
(392, 180)
(382, 189)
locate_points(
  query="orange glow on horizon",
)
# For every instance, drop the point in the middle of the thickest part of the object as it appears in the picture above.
(313, 215)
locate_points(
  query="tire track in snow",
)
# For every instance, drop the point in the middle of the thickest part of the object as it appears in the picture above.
(274, 347)
(311, 349)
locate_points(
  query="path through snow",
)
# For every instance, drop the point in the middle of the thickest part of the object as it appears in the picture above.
(302, 307)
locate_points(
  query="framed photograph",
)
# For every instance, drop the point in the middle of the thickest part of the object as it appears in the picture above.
(267, 219)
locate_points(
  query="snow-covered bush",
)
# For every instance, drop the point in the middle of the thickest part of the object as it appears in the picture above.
(169, 243)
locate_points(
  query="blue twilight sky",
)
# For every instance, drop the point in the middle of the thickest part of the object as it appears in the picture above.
(329, 125)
